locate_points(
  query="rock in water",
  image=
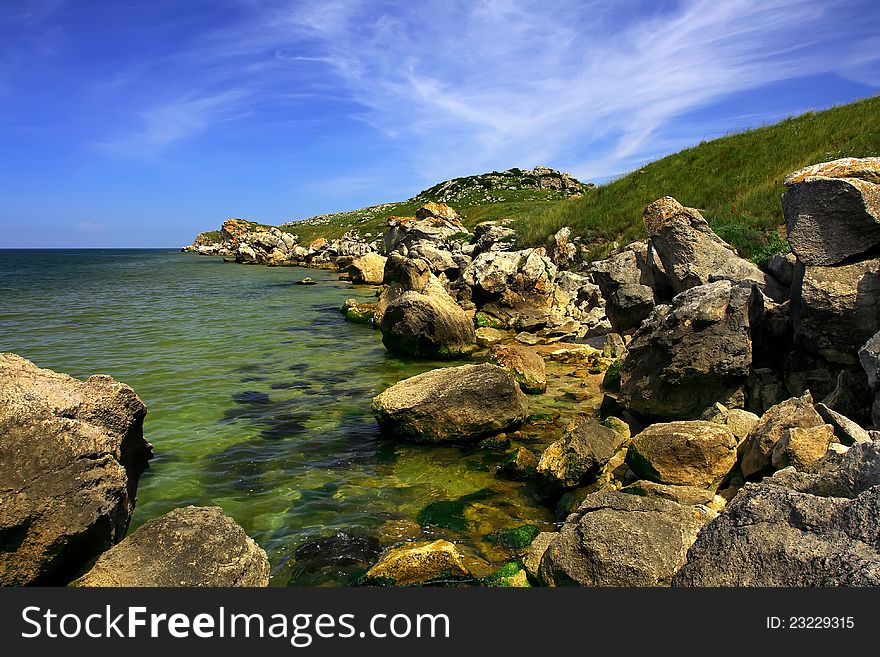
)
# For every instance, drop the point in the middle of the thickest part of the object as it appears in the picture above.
(796, 529)
(832, 210)
(581, 454)
(71, 453)
(696, 453)
(616, 539)
(836, 310)
(692, 254)
(423, 562)
(526, 366)
(427, 324)
(190, 546)
(689, 355)
(758, 448)
(368, 269)
(452, 404)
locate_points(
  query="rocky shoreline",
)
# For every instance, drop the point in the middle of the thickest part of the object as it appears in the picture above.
(736, 444)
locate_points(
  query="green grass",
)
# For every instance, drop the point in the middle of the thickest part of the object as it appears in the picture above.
(735, 181)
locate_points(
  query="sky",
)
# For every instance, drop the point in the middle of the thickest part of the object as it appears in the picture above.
(138, 123)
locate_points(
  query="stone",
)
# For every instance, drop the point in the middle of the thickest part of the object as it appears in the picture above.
(368, 269)
(434, 222)
(439, 260)
(684, 495)
(71, 454)
(800, 448)
(832, 210)
(613, 346)
(758, 447)
(491, 236)
(869, 357)
(452, 404)
(774, 536)
(845, 430)
(519, 465)
(626, 281)
(189, 546)
(692, 353)
(584, 450)
(686, 453)
(525, 364)
(419, 563)
(739, 422)
(427, 324)
(781, 267)
(693, 255)
(836, 310)
(837, 475)
(616, 539)
(487, 336)
(532, 558)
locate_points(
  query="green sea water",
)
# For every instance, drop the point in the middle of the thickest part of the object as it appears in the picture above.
(259, 401)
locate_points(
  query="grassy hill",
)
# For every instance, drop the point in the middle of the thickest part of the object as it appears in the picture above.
(736, 182)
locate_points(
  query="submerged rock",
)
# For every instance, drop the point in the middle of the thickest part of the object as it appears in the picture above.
(190, 546)
(452, 404)
(832, 210)
(422, 562)
(71, 453)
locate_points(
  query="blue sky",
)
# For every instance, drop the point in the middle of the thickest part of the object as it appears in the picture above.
(142, 122)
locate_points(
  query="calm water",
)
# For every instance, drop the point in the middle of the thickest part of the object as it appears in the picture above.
(259, 401)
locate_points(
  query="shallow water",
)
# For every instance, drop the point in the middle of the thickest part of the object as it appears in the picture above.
(259, 401)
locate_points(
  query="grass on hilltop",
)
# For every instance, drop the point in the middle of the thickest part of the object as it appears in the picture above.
(735, 181)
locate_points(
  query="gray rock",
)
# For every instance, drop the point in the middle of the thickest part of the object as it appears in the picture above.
(532, 558)
(836, 310)
(781, 267)
(190, 546)
(626, 281)
(832, 210)
(452, 404)
(691, 354)
(837, 475)
(762, 439)
(846, 431)
(580, 455)
(491, 236)
(71, 453)
(692, 453)
(616, 539)
(869, 357)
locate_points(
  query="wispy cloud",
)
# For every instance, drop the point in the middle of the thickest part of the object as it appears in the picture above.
(471, 85)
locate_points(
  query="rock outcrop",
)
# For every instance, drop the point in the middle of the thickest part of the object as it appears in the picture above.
(616, 539)
(692, 353)
(189, 546)
(454, 404)
(832, 210)
(71, 453)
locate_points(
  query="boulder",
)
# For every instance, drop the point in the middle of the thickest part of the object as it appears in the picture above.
(587, 447)
(439, 260)
(739, 422)
(802, 447)
(532, 558)
(837, 475)
(693, 255)
(757, 457)
(488, 336)
(71, 453)
(692, 353)
(451, 404)
(846, 431)
(418, 563)
(773, 536)
(781, 267)
(519, 465)
(368, 269)
(491, 236)
(626, 281)
(189, 546)
(869, 357)
(434, 222)
(427, 324)
(832, 210)
(684, 495)
(525, 364)
(693, 453)
(616, 539)
(836, 310)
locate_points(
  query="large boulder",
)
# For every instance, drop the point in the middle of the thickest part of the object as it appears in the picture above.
(587, 447)
(368, 269)
(832, 210)
(836, 310)
(695, 453)
(617, 539)
(525, 364)
(427, 324)
(71, 453)
(692, 353)
(452, 404)
(815, 527)
(757, 457)
(627, 282)
(693, 255)
(189, 546)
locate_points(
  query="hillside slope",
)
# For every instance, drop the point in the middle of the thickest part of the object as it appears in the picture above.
(736, 182)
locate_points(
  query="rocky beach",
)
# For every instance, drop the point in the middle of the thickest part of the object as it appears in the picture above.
(672, 414)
